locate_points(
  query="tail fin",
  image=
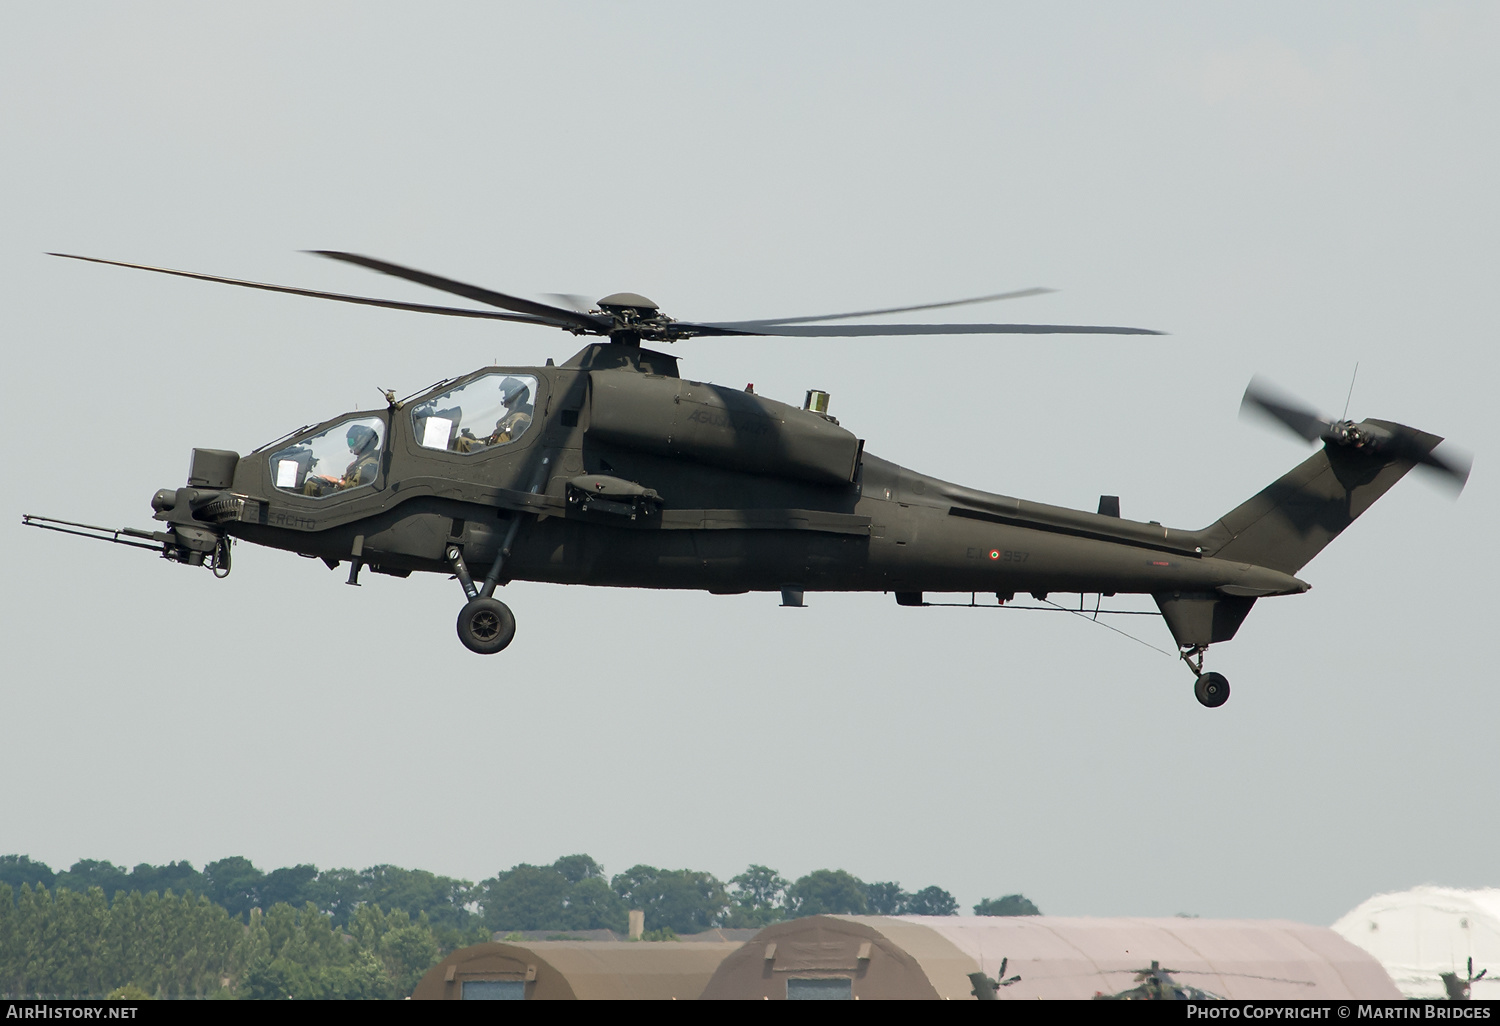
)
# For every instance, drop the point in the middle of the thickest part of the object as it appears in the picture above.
(1289, 523)
(1293, 518)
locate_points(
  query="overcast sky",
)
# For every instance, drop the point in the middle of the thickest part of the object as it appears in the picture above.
(1288, 189)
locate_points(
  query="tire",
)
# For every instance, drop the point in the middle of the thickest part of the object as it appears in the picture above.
(486, 625)
(1212, 690)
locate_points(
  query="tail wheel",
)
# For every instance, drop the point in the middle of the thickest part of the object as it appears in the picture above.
(1212, 690)
(486, 625)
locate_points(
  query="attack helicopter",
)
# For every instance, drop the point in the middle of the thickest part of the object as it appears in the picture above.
(611, 469)
(1461, 988)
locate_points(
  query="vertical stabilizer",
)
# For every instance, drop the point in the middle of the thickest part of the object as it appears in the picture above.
(1291, 520)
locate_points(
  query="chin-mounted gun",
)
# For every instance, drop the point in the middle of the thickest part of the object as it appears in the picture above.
(192, 515)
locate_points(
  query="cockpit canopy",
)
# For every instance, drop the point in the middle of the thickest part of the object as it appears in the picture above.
(484, 413)
(335, 460)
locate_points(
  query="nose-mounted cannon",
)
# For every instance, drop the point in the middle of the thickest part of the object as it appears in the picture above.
(194, 516)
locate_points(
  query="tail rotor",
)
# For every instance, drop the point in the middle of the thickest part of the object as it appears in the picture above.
(1263, 399)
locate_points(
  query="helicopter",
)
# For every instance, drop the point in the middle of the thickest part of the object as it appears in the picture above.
(987, 988)
(1460, 988)
(611, 469)
(1156, 984)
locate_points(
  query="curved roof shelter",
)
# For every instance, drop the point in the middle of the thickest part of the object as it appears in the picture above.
(873, 957)
(566, 970)
(1427, 931)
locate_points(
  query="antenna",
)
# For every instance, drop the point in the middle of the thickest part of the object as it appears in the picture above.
(1351, 391)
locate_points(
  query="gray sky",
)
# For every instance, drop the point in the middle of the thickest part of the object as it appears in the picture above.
(1287, 189)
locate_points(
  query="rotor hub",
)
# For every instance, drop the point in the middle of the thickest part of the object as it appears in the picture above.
(632, 301)
(637, 318)
(1357, 436)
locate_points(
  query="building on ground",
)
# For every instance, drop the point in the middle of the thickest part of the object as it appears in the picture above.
(874, 957)
(567, 970)
(1420, 934)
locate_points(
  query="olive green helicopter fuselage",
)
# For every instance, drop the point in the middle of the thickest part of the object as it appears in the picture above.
(611, 469)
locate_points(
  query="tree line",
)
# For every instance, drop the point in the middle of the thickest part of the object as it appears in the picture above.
(231, 930)
(73, 945)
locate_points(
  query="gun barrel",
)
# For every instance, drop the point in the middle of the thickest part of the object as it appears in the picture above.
(157, 542)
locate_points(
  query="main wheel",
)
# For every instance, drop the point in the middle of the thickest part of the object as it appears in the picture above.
(486, 625)
(1212, 690)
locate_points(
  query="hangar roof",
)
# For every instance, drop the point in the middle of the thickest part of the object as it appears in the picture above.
(1421, 933)
(1056, 957)
(1066, 957)
(615, 970)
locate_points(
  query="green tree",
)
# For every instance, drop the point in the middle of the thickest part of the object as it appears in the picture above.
(405, 948)
(253, 957)
(296, 953)
(758, 898)
(827, 892)
(577, 868)
(886, 899)
(10, 943)
(88, 924)
(685, 900)
(36, 926)
(362, 978)
(1010, 905)
(267, 978)
(593, 905)
(525, 897)
(932, 901)
(290, 885)
(124, 955)
(198, 945)
(86, 873)
(417, 891)
(17, 870)
(179, 877)
(234, 883)
(305, 957)
(337, 892)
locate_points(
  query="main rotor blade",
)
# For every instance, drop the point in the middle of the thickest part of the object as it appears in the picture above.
(837, 330)
(1018, 294)
(573, 301)
(1263, 398)
(556, 314)
(448, 311)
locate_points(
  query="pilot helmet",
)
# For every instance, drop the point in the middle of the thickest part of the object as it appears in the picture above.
(516, 393)
(361, 438)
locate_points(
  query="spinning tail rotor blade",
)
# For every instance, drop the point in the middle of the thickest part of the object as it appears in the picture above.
(1455, 466)
(1261, 398)
(1383, 437)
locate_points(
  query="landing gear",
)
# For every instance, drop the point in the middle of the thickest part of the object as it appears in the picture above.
(1211, 689)
(486, 625)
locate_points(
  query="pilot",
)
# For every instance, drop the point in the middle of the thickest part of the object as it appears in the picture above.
(517, 417)
(515, 396)
(364, 446)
